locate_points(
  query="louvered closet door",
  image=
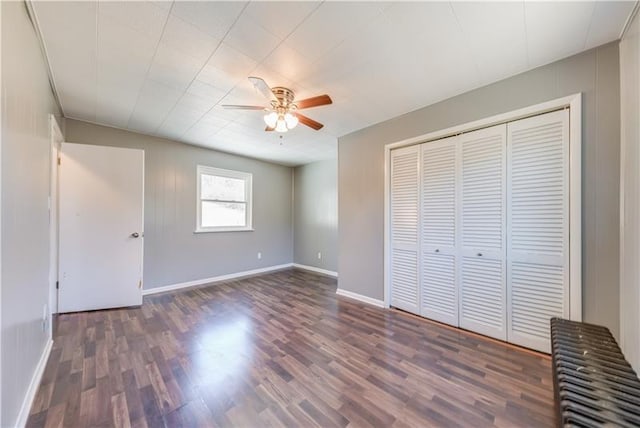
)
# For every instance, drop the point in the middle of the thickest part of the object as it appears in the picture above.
(404, 228)
(438, 231)
(538, 226)
(482, 305)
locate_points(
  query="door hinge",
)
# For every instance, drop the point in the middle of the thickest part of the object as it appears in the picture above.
(57, 285)
(140, 284)
(58, 160)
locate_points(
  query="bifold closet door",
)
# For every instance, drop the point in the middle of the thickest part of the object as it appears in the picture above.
(538, 226)
(438, 231)
(405, 204)
(482, 272)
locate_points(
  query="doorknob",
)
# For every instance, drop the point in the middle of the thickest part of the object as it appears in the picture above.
(135, 235)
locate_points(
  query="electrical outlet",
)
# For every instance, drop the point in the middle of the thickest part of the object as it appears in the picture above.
(259, 255)
(319, 255)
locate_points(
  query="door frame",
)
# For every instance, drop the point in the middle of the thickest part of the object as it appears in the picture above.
(574, 104)
(1, 145)
(57, 138)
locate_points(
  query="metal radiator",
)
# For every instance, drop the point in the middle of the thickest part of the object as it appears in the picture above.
(594, 385)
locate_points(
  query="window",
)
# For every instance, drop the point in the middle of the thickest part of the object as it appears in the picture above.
(224, 200)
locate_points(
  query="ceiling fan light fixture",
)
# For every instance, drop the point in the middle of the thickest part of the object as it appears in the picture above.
(282, 113)
(281, 125)
(291, 120)
(270, 119)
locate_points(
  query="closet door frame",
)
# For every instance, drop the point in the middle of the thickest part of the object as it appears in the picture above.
(574, 103)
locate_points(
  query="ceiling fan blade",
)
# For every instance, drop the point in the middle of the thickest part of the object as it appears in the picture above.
(239, 107)
(262, 87)
(269, 129)
(309, 122)
(318, 101)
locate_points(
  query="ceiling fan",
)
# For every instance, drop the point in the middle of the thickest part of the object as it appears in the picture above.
(282, 114)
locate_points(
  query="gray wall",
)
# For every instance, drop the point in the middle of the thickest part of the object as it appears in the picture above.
(27, 101)
(316, 215)
(172, 252)
(630, 193)
(595, 73)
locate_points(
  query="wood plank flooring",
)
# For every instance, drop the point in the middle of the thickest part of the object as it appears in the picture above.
(281, 350)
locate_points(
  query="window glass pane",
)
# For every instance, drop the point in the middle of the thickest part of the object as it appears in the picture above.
(220, 214)
(222, 188)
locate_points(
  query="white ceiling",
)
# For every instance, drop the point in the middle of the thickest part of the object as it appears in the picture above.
(165, 68)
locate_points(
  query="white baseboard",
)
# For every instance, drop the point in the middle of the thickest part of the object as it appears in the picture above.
(360, 297)
(317, 270)
(33, 386)
(214, 279)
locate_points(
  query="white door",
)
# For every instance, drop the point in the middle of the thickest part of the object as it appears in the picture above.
(538, 226)
(482, 285)
(405, 202)
(101, 227)
(438, 248)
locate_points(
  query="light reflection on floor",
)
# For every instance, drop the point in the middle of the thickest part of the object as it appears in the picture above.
(227, 345)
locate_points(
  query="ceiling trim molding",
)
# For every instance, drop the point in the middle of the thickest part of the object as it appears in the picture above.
(36, 27)
(629, 20)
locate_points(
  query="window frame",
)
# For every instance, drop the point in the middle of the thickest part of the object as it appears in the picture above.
(248, 194)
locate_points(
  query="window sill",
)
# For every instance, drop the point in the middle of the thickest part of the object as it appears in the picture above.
(225, 229)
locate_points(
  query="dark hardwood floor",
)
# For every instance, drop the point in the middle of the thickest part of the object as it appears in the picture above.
(282, 350)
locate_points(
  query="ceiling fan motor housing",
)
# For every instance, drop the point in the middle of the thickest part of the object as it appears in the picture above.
(284, 95)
